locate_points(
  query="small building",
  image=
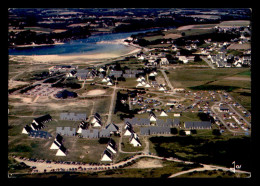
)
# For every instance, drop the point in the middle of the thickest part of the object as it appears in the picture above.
(107, 156)
(197, 125)
(27, 129)
(134, 140)
(62, 151)
(112, 128)
(82, 126)
(163, 113)
(73, 116)
(152, 116)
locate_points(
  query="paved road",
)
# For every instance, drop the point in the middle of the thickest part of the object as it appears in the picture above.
(207, 61)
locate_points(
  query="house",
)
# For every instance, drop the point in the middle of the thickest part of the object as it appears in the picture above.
(197, 125)
(155, 130)
(73, 116)
(37, 123)
(163, 113)
(39, 134)
(104, 133)
(62, 151)
(128, 131)
(134, 140)
(161, 88)
(66, 131)
(26, 130)
(177, 114)
(152, 116)
(107, 156)
(57, 142)
(112, 146)
(147, 85)
(139, 84)
(97, 123)
(96, 117)
(82, 126)
(109, 83)
(176, 122)
(55, 145)
(137, 121)
(112, 128)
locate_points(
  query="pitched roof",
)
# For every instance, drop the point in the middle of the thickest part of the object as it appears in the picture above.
(73, 116)
(197, 124)
(112, 127)
(43, 119)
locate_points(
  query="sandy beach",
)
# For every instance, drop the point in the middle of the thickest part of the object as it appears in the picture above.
(71, 58)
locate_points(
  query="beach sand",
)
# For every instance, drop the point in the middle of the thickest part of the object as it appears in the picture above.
(71, 58)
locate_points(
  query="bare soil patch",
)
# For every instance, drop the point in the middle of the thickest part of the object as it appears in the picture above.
(147, 163)
(95, 92)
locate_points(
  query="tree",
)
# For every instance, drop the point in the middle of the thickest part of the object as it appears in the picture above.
(183, 34)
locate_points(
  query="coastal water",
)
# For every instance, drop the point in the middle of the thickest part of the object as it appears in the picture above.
(103, 43)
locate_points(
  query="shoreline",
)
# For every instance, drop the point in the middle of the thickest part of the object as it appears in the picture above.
(35, 45)
(74, 57)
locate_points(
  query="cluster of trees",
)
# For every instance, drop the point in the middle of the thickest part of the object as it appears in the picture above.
(29, 37)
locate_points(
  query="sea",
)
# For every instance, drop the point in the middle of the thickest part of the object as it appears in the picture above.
(101, 43)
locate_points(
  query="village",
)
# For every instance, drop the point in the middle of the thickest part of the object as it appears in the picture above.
(118, 106)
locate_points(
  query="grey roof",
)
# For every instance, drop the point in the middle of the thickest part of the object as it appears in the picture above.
(90, 134)
(104, 133)
(66, 131)
(39, 134)
(112, 127)
(176, 122)
(154, 130)
(43, 119)
(73, 116)
(197, 124)
(167, 123)
(145, 131)
(137, 121)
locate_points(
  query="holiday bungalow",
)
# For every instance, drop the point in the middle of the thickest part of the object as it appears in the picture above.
(73, 116)
(107, 155)
(134, 140)
(112, 128)
(39, 134)
(26, 129)
(163, 113)
(197, 125)
(66, 131)
(82, 126)
(62, 151)
(152, 116)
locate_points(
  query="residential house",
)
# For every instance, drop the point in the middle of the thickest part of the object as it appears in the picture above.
(82, 126)
(197, 125)
(112, 128)
(39, 134)
(163, 113)
(107, 155)
(27, 129)
(73, 116)
(134, 140)
(67, 131)
(62, 151)
(152, 116)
